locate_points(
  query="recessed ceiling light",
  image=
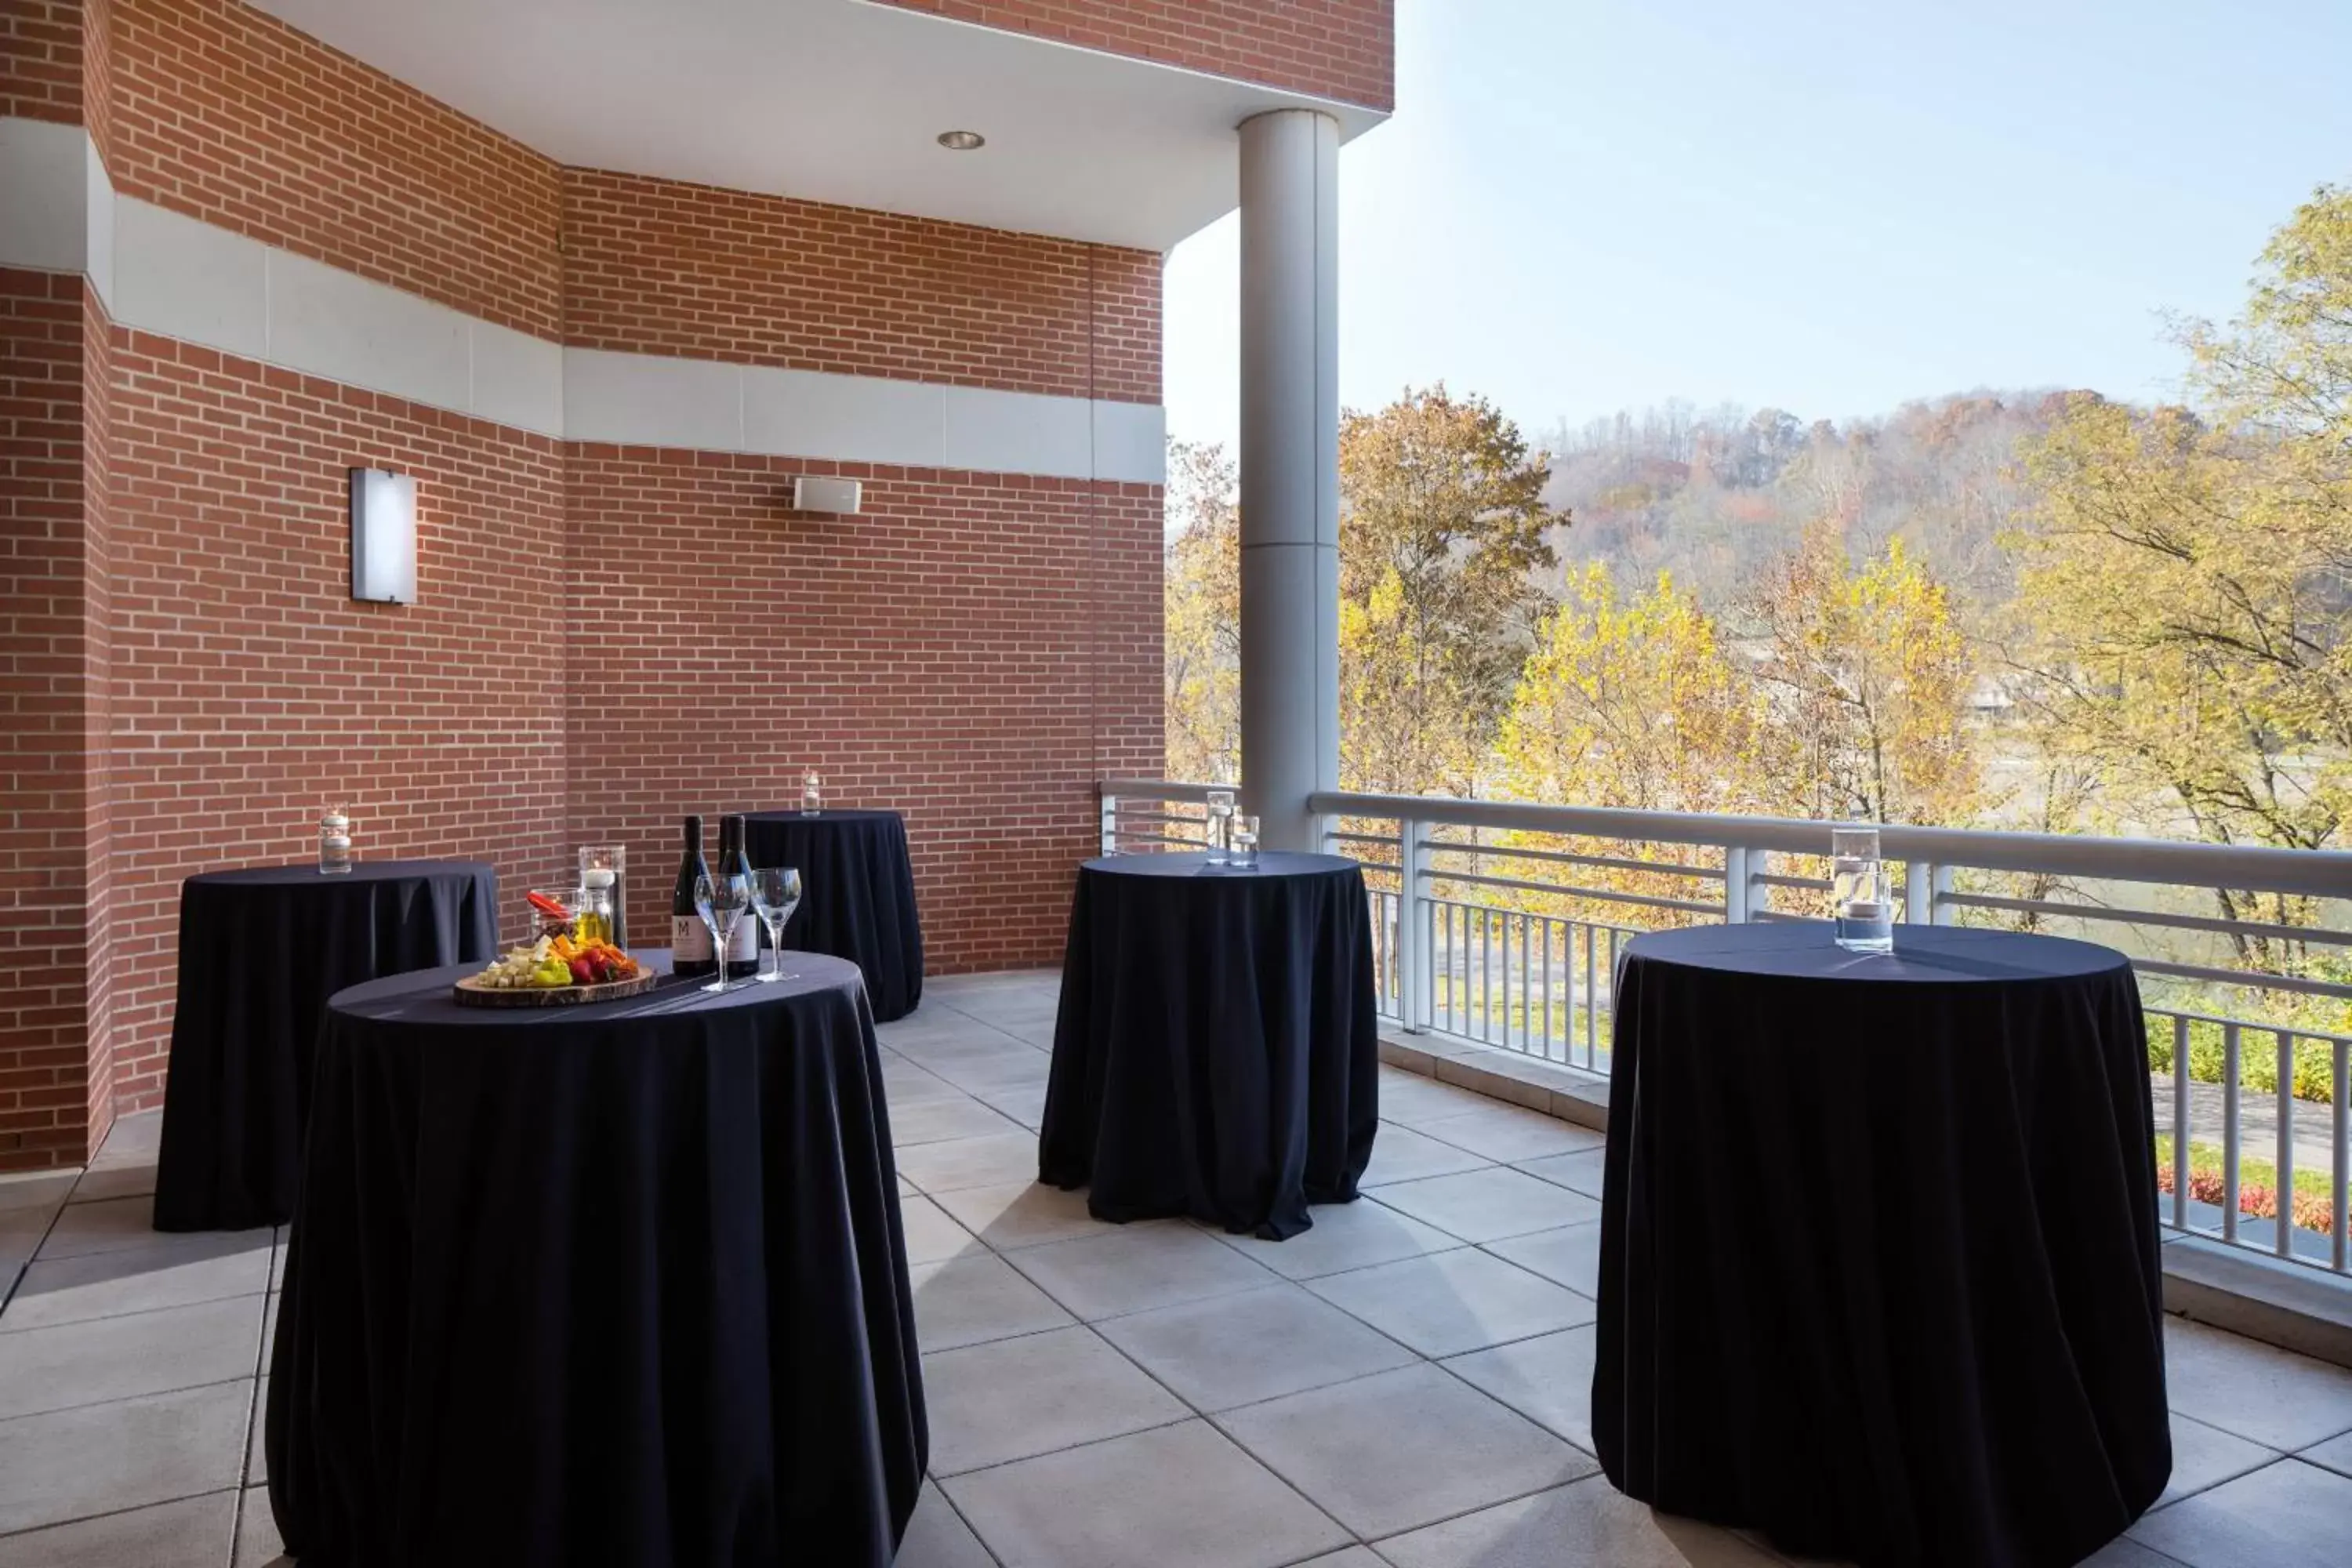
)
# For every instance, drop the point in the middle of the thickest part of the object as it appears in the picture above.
(961, 141)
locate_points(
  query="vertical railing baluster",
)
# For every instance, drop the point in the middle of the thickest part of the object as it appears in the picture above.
(2180, 1121)
(1486, 972)
(1615, 938)
(1735, 884)
(1591, 998)
(2229, 1131)
(2340, 1076)
(1110, 825)
(1551, 929)
(1413, 929)
(2286, 1143)
(1527, 993)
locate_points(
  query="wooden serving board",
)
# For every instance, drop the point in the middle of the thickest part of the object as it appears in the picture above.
(472, 993)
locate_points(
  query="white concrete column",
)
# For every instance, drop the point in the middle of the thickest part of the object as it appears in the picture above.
(1290, 470)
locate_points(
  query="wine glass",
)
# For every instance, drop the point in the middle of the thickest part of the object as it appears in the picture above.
(776, 893)
(722, 901)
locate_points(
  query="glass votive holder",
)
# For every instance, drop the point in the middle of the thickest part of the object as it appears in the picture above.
(1219, 825)
(335, 842)
(1245, 858)
(811, 793)
(1861, 894)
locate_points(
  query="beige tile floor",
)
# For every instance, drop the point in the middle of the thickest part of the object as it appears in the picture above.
(1403, 1386)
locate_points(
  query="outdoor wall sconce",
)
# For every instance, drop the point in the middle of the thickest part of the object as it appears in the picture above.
(383, 537)
(827, 495)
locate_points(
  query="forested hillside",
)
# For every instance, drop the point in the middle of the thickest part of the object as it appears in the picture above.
(1715, 497)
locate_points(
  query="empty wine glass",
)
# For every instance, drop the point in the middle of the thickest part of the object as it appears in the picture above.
(776, 893)
(722, 901)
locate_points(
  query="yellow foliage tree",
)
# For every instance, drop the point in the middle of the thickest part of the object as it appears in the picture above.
(1632, 702)
(1202, 613)
(1868, 676)
(2183, 624)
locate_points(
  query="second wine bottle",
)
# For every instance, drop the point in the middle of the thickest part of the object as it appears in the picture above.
(690, 938)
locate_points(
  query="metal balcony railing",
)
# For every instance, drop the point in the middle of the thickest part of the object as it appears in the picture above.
(1500, 923)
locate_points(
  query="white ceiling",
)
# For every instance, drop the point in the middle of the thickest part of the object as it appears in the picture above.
(835, 100)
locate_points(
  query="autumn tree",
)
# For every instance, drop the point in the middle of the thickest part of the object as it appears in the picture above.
(1867, 677)
(1441, 534)
(2188, 589)
(1633, 702)
(2186, 593)
(1202, 659)
(1629, 702)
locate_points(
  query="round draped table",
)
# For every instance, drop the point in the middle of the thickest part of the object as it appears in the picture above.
(1215, 1054)
(1879, 1268)
(857, 895)
(623, 1283)
(261, 949)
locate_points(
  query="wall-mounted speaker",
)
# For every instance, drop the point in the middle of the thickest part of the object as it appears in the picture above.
(827, 495)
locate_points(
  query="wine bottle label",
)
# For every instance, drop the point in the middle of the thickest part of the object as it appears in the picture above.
(743, 942)
(690, 939)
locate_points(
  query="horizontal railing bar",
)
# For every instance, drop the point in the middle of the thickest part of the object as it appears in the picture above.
(1156, 789)
(2157, 1009)
(1775, 880)
(2246, 979)
(2151, 917)
(1643, 899)
(1127, 838)
(1563, 857)
(1529, 914)
(1338, 837)
(2326, 872)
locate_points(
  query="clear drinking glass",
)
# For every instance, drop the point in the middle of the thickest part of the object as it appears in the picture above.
(1220, 825)
(811, 793)
(723, 901)
(1245, 843)
(1862, 896)
(775, 894)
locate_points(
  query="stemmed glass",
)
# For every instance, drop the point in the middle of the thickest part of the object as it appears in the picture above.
(776, 893)
(722, 901)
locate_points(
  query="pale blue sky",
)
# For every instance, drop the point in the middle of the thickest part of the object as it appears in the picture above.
(1826, 205)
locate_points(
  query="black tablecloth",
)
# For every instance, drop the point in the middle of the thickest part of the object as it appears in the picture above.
(261, 949)
(1879, 1265)
(618, 1284)
(1215, 1054)
(857, 895)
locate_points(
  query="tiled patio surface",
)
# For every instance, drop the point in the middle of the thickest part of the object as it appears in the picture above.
(1406, 1384)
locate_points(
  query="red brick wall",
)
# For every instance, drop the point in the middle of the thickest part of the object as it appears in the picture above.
(247, 686)
(231, 116)
(52, 654)
(973, 649)
(43, 70)
(659, 267)
(1344, 50)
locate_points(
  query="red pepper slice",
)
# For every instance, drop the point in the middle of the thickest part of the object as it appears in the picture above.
(548, 905)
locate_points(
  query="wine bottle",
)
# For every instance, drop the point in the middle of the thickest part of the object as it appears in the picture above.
(743, 947)
(690, 938)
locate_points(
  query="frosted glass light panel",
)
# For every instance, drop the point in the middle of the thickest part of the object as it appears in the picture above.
(383, 537)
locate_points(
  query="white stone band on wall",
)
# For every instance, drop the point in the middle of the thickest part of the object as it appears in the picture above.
(164, 272)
